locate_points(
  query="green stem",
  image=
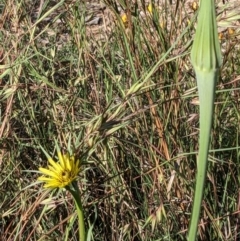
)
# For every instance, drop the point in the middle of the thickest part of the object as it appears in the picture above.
(206, 88)
(206, 59)
(77, 199)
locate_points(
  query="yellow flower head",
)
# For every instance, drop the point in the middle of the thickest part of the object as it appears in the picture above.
(194, 6)
(231, 31)
(60, 174)
(124, 18)
(150, 8)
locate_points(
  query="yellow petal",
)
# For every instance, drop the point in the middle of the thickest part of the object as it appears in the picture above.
(45, 179)
(77, 166)
(69, 164)
(61, 159)
(51, 168)
(150, 8)
(53, 163)
(124, 18)
(51, 185)
(66, 162)
(48, 172)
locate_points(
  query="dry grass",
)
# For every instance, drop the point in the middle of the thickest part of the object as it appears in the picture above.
(126, 97)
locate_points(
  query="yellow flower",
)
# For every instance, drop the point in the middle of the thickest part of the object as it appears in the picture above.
(231, 31)
(220, 36)
(124, 18)
(150, 8)
(60, 174)
(194, 6)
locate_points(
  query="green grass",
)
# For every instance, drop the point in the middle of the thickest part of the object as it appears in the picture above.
(128, 103)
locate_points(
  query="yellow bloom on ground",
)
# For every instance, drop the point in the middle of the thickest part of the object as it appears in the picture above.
(150, 8)
(60, 174)
(124, 18)
(194, 6)
(231, 31)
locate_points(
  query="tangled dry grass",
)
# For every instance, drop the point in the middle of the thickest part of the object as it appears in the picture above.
(126, 97)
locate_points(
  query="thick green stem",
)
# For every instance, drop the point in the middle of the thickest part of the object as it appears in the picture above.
(206, 60)
(206, 90)
(77, 199)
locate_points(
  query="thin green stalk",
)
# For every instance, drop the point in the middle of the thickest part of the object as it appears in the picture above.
(206, 60)
(77, 199)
